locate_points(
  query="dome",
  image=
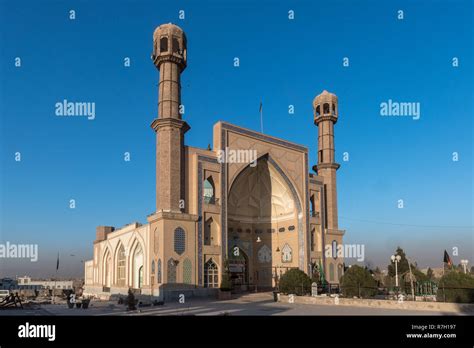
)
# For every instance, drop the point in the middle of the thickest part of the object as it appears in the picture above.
(168, 29)
(324, 97)
(169, 45)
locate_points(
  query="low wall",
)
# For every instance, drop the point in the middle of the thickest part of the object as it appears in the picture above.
(170, 295)
(388, 304)
(160, 294)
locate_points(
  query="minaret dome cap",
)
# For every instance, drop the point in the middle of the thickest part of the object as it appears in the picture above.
(324, 97)
(168, 28)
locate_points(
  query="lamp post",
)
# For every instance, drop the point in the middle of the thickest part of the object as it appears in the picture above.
(396, 259)
(464, 265)
(411, 281)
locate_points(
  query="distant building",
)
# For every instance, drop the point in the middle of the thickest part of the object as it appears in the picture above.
(8, 284)
(27, 283)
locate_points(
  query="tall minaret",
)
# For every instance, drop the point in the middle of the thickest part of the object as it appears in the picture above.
(325, 116)
(169, 57)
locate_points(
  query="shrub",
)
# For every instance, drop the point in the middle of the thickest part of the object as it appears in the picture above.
(226, 284)
(131, 300)
(456, 287)
(358, 281)
(296, 282)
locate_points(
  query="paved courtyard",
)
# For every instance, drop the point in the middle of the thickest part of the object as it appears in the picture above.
(249, 304)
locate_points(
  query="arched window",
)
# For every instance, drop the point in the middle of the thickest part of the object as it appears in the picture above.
(312, 239)
(331, 272)
(211, 275)
(137, 275)
(179, 241)
(210, 232)
(171, 271)
(164, 44)
(333, 108)
(286, 254)
(107, 269)
(187, 271)
(176, 48)
(326, 108)
(121, 261)
(334, 249)
(158, 275)
(318, 110)
(140, 277)
(153, 267)
(209, 191)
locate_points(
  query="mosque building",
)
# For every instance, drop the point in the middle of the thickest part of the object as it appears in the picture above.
(254, 212)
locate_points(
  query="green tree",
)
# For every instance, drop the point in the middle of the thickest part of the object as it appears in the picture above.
(402, 266)
(131, 303)
(226, 284)
(430, 273)
(419, 276)
(296, 282)
(315, 277)
(358, 281)
(404, 271)
(456, 287)
(378, 276)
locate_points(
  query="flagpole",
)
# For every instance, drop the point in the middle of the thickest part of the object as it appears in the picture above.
(55, 279)
(261, 117)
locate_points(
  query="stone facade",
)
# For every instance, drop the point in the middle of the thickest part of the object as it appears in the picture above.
(249, 204)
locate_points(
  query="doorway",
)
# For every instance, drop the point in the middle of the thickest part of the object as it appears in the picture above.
(239, 269)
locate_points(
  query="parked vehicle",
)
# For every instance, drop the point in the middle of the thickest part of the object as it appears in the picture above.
(4, 294)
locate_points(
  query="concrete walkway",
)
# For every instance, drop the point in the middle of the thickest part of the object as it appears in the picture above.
(249, 304)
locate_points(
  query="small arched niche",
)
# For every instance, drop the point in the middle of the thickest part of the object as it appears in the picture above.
(164, 44)
(176, 48)
(210, 232)
(326, 109)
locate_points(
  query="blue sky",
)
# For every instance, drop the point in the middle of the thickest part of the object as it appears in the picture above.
(282, 62)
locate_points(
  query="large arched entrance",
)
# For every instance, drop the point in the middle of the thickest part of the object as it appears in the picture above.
(263, 216)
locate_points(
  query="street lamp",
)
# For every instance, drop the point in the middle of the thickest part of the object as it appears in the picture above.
(464, 265)
(396, 259)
